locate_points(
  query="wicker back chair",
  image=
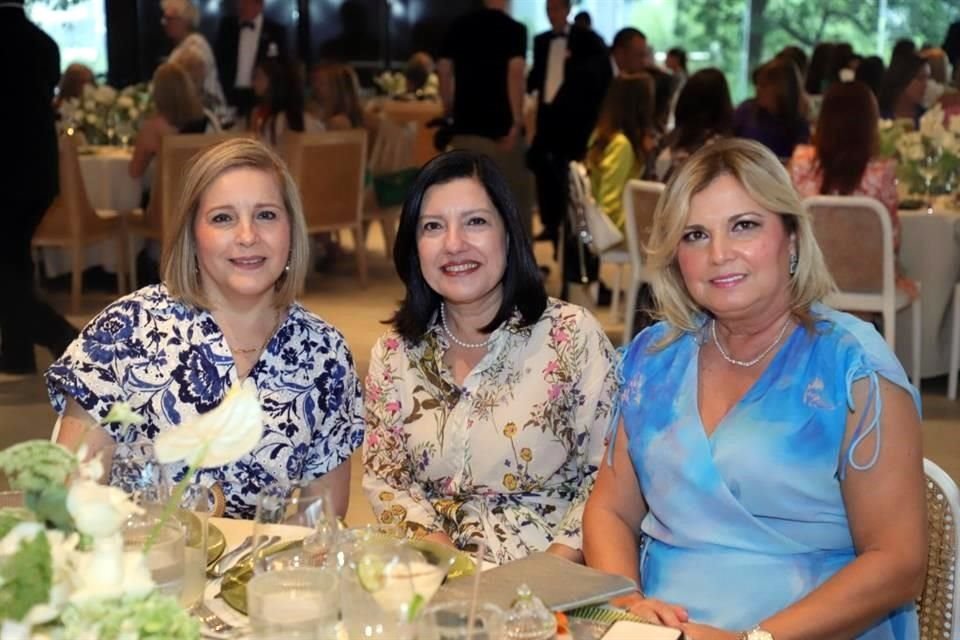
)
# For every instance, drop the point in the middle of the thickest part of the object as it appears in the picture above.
(939, 603)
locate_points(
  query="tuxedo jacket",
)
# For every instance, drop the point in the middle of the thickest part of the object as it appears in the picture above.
(564, 125)
(228, 44)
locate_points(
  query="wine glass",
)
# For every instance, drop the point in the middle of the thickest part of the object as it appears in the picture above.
(294, 526)
(125, 132)
(928, 168)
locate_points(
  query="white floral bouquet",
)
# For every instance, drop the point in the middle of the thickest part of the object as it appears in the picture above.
(394, 85)
(64, 572)
(104, 114)
(934, 144)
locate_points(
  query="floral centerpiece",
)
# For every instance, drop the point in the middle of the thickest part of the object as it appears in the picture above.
(64, 572)
(931, 152)
(394, 85)
(103, 115)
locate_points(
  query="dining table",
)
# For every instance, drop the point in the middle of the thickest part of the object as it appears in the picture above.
(930, 254)
(111, 192)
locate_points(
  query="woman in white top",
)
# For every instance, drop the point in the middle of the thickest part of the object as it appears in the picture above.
(180, 20)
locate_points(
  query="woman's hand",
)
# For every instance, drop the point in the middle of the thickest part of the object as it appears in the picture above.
(652, 610)
(693, 631)
(441, 537)
(565, 552)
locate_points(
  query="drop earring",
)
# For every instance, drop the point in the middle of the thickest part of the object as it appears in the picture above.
(794, 261)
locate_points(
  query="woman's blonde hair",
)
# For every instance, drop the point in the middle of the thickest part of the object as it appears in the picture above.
(175, 95)
(344, 91)
(766, 181)
(179, 263)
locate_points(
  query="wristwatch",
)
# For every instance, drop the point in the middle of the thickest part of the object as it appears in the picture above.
(756, 634)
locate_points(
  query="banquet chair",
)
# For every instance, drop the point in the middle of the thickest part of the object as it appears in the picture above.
(328, 168)
(856, 238)
(392, 152)
(72, 223)
(420, 112)
(640, 198)
(170, 168)
(938, 606)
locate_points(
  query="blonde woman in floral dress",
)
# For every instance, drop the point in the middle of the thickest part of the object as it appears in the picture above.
(488, 402)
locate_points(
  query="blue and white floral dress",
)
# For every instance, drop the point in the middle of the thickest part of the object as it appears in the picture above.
(748, 520)
(170, 362)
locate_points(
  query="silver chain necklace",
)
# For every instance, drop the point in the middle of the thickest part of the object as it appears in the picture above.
(456, 340)
(747, 363)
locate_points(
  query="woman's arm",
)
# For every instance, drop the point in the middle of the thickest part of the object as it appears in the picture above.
(77, 427)
(147, 146)
(887, 513)
(611, 528)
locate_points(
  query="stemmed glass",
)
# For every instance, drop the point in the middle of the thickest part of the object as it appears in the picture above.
(928, 167)
(125, 132)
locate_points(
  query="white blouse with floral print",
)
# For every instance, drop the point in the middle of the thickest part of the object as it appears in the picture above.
(508, 457)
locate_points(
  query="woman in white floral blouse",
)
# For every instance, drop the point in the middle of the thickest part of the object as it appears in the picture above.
(487, 403)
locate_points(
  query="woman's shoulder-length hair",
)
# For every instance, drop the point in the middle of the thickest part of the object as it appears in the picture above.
(179, 261)
(767, 182)
(522, 283)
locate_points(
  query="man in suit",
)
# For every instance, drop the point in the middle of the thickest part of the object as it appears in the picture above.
(570, 73)
(244, 40)
(630, 54)
(30, 64)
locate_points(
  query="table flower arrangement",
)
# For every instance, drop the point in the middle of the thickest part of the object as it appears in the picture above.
(64, 572)
(394, 85)
(103, 115)
(930, 153)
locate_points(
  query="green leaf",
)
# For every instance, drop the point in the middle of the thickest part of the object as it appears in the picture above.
(26, 577)
(11, 517)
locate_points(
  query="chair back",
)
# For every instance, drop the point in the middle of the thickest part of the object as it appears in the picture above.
(640, 199)
(70, 218)
(329, 170)
(419, 112)
(393, 146)
(938, 606)
(176, 154)
(856, 238)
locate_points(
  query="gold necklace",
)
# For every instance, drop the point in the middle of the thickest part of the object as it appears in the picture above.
(276, 323)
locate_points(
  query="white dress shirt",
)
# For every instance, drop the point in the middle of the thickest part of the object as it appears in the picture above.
(556, 59)
(247, 53)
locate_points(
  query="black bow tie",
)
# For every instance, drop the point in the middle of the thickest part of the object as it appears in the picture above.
(248, 25)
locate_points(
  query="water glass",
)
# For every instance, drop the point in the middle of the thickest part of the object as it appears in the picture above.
(196, 507)
(451, 621)
(133, 467)
(165, 558)
(294, 604)
(294, 513)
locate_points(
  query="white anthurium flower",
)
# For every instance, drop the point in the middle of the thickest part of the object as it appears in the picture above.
(123, 414)
(97, 510)
(218, 437)
(14, 630)
(107, 571)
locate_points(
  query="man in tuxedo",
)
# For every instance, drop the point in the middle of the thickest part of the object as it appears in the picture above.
(570, 73)
(244, 40)
(30, 65)
(630, 54)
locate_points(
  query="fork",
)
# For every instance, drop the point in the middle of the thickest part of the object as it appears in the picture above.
(211, 620)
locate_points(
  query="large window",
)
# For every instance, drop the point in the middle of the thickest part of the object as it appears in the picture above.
(79, 28)
(737, 35)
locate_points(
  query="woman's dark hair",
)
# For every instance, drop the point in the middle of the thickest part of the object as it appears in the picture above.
(781, 75)
(522, 283)
(870, 72)
(703, 109)
(903, 48)
(797, 55)
(840, 58)
(846, 137)
(903, 69)
(819, 66)
(283, 96)
(628, 109)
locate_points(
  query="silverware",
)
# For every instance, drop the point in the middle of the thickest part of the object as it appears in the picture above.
(210, 620)
(227, 560)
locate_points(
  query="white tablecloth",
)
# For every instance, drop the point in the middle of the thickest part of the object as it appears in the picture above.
(111, 192)
(930, 253)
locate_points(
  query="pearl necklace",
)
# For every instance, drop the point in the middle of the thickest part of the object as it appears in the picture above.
(455, 339)
(747, 363)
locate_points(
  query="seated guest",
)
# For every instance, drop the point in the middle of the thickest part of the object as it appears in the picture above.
(704, 114)
(180, 18)
(279, 106)
(226, 312)
(75, 77)
(622, 141)
(417, 72)
(336, 96)
(903, 88)
(176, 109)
(768, 456)
(487, 402)
(193, 64)
(870, 72)
(774, 116)
(843, 158)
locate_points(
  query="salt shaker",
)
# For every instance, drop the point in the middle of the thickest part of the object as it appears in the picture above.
(528, 618)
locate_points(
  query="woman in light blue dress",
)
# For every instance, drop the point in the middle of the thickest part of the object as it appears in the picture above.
(768, 454)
